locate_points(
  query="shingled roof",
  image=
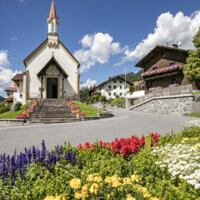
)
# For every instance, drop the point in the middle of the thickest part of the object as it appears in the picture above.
(8, 89)
(18, 77)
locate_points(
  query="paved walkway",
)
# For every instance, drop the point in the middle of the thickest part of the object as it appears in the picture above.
(124, 124)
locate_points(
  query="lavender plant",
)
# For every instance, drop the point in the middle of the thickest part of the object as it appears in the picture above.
(12, 167)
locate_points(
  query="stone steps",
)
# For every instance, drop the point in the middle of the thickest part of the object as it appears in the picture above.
(53, 111)
(54, 120)
(53, 115)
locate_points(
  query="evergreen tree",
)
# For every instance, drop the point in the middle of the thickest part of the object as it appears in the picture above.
(131, 90)
(192, 68)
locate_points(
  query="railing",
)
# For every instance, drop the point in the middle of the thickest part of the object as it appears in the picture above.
(179, 90)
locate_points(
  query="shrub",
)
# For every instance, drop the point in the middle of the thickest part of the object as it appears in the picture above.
(4, 109)
(2, 105)
(102, 98)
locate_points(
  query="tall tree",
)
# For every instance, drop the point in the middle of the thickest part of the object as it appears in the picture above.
(192, 68)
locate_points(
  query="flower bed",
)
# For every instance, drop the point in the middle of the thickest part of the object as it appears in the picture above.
(146, 168)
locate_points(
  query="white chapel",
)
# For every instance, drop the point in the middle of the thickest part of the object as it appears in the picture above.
(51, 70)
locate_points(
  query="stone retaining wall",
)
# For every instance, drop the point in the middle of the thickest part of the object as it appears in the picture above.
(175, 105)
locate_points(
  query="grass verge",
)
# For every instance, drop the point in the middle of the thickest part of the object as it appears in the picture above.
(88, 110)
(13, 115)
(194, 115)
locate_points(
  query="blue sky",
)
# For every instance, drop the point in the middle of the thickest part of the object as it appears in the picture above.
(106, 36)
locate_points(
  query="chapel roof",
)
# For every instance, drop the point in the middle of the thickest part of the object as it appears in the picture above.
(8, 89)
(45, 43)
(18, 77)
(52, 14)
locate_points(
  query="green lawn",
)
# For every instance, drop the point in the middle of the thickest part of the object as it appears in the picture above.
(13, 115)
(194, 115)
(88, 110)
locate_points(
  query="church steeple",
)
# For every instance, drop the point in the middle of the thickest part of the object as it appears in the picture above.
(52, 19)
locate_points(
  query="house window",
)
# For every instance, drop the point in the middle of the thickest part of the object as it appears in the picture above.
(109, 87)
(114, 81)
(172, 64)
(114, 93)
(114, 87)
(120, 81)
(120, 94)
(155, 68)
(109, 94)
(120, 87)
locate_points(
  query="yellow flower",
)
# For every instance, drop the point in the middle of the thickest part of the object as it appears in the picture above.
(97, 179)
(129, 197)
(127, 181)
(146, 195)
(94, 188)
(107, 180)
(90, 177)
(59, 198)
(49, 198)
(84, 191)
(116, 183)
(154, 198)
(75, 183)
(78, 195)
(135, 178)
(108, 196)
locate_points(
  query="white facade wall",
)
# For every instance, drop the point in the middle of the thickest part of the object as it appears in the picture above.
(110, 93)
(40, 60)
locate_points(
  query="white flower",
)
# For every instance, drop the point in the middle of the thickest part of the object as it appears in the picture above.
(197, 186)
(192, 182)
(181, 176)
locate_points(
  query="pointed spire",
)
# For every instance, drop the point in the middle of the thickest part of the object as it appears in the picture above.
(52, 14)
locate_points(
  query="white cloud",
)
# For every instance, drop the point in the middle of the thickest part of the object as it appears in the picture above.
(96, 48)
(89, 83)
(6, 73)
(22, 1)
(169, 30)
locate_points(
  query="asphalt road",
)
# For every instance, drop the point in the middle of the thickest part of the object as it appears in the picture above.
(123, 124)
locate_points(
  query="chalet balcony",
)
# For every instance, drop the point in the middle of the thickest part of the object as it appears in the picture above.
(164, 72)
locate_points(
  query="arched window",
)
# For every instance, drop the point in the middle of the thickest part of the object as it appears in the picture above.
(52, 26)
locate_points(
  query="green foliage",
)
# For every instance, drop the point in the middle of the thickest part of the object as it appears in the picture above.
(2, 105)
(86, 109)
(131, 90)
(192, 68)
(84, 94)
(4, 109)
(102, 98)
(119, 102)
(191, 132)
(13, 115)
(194, 115)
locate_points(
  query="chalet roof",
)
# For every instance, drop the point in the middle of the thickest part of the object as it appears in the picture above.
(52, 14)
(58, 66)
(8, 89)
(18, 77)
(42, 45)
(110, 79)
(158, 48)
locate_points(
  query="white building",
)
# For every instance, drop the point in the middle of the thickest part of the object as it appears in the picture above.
(115, 86)
(51, 70)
